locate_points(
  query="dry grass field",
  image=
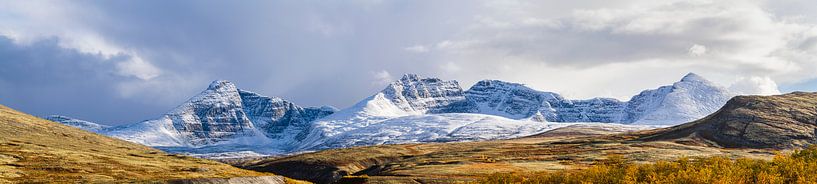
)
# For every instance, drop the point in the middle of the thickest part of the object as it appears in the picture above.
(471, 161)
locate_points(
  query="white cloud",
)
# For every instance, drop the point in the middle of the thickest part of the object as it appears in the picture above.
(755, 85)
(383, 77)
(697, 50)
(727, 39)
(451, 67)
(417, 49)
(138, 68)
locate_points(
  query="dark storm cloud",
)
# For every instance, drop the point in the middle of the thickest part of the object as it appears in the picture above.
(43, 78)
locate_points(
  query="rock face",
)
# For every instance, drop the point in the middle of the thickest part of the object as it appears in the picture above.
(224, 114)
(416, 95)
(81, 124)
(781, 122)
(516, 101)
(277, 117)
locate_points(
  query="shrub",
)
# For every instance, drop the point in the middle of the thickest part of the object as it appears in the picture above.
(797, 167)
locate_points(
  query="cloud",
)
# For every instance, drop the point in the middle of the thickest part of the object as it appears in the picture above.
(719, 39)
(755, 85)
(383, 77)
(152, 55)
(417, 49)
(137, 67)
(697, 50)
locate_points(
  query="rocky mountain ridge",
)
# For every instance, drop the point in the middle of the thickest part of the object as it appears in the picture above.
(411, 109)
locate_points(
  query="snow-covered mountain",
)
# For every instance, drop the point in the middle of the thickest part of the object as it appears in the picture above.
(225, 116)
(690, 98)
(225, 119)
(516, 101)
(81, 124)
(414, 109)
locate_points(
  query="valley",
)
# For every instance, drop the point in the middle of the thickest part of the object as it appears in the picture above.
(566, 148)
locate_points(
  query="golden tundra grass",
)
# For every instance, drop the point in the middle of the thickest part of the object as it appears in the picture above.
(40, 151)
(797, 167)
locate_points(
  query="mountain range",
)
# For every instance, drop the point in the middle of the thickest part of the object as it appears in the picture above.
(224, 118)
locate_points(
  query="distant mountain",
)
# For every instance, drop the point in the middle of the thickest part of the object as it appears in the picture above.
(414, 109)
(81, 124)
(214, 116)
(33, 150)
(690, 98)
(780, 121)
(417, 109)
(224, 118)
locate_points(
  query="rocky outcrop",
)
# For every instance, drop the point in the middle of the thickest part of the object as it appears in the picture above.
(279, 118)
(427, 95)
(779, 122)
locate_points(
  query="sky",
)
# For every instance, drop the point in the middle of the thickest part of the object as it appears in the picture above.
(120, 62)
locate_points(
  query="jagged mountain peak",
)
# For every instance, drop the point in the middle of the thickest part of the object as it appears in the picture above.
(497, 83)
(409, 79)
(219, 85)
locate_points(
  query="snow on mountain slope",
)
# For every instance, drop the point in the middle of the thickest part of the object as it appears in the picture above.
(689, 99)
(224, 119)
(410, 96)
(513, 100)
(215, 115)
(516, 101)
(281, 121)
(81, 124)
(445, 127)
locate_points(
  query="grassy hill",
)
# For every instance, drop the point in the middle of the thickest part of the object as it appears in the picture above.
(471, 161)
(40, 151)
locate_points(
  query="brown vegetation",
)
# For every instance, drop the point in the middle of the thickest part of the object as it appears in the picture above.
(798, 167)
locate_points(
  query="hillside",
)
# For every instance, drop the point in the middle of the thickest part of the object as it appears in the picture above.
(778, 122)
(574, 147)
(39, 151)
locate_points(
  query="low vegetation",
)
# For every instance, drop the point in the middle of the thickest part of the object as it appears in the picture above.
(797, 167)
